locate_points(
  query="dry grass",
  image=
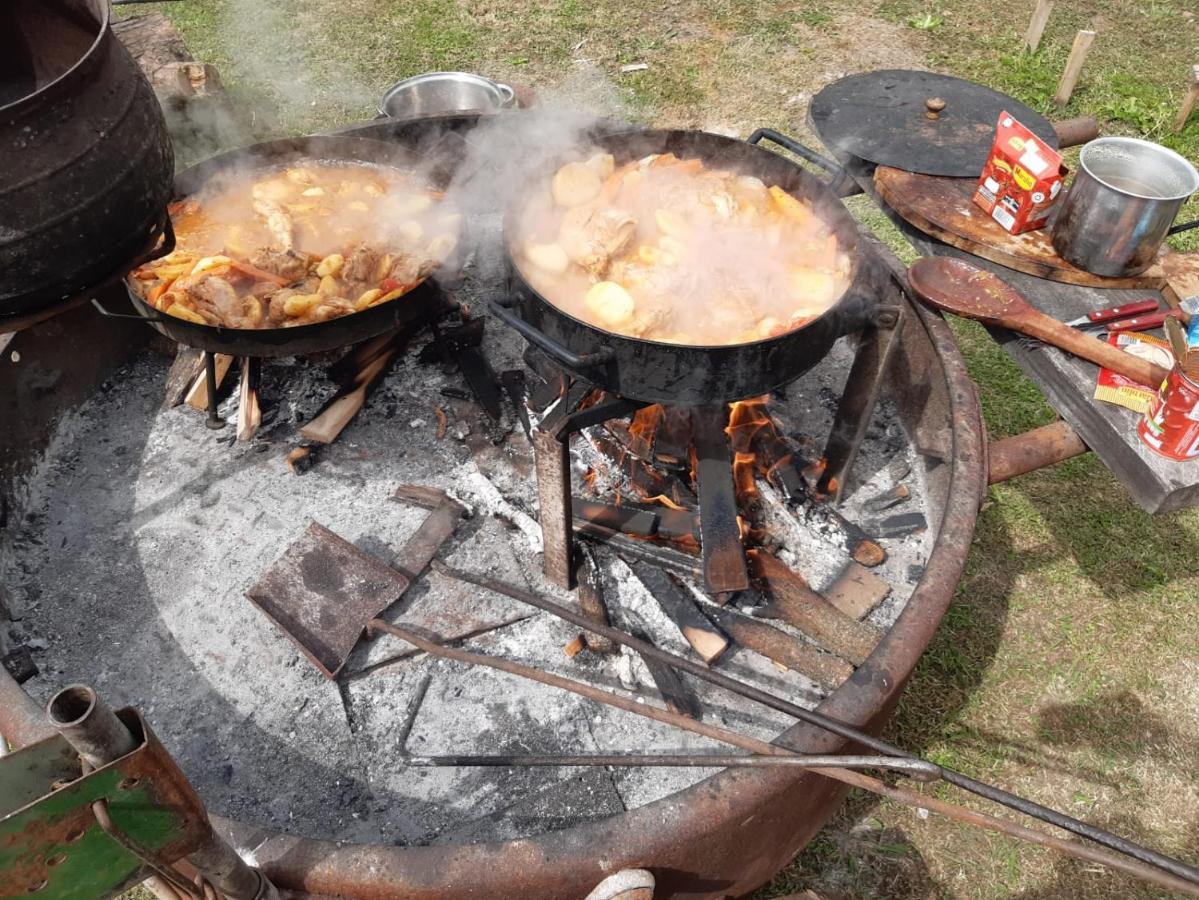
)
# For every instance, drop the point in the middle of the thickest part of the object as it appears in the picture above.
(1067, 669)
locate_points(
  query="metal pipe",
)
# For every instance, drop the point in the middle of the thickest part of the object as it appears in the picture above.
(856, 779)
(990, 792)
(915, 768)
(99, 737)
(1023, 453)
(22, 721)
(89, 725)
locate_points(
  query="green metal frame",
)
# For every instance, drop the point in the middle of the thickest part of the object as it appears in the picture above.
(51, 845)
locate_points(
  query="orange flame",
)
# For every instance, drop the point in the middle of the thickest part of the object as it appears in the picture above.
(746, 418)
(645, 423)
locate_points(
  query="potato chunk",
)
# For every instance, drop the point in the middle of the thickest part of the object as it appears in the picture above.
(610, 303)
(576, 183)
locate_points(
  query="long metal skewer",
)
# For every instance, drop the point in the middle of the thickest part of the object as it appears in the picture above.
(1028, 807)
(914, 768)
(856, 779)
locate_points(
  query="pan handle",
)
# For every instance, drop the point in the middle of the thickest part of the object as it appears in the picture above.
(540, 339)
(165, 230)
(1185, 226)
(840, 182)
(109, 314)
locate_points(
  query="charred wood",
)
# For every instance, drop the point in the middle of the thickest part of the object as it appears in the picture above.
(681, 608)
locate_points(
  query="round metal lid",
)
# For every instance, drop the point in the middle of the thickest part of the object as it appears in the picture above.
(883, 117)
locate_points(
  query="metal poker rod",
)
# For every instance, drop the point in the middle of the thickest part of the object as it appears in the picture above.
(1031, 808)
(915, 768)
(856, 779)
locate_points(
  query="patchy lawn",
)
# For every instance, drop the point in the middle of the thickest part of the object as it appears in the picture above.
(1068, 668)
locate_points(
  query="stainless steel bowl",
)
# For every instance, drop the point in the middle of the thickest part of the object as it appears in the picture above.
(444, 92)
(1121, 205)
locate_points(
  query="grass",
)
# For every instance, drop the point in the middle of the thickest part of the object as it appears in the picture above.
(1067, 667)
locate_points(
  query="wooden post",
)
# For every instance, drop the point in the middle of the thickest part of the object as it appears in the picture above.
(1188, 102)
(1078, 56)
(1036, 25)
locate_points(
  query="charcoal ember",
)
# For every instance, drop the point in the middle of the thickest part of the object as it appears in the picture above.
(899, 526)
(19, 663)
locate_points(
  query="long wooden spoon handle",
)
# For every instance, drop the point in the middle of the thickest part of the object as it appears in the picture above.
(1048, 329)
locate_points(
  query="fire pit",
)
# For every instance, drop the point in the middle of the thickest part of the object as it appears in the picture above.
(181, 522)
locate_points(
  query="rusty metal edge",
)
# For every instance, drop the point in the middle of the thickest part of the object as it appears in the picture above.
(696, 841)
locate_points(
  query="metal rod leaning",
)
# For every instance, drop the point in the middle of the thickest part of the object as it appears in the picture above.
(917, 769)
(856, 779)
(1181, 870)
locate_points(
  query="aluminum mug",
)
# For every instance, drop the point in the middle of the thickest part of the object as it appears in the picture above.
(1120, 208)
(1171, 426)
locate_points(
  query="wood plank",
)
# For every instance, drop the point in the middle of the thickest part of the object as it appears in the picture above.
(681, 608)
(1188, 101)
(944, 209)
(1074, 64)
(825, 669)
(1156, 483)
(856, 591)
(188, 364)
(1036, 25)
(197, 397)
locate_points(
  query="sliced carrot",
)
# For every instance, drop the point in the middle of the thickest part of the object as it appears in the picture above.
(157, 291)
(260, 274)
(690, 166)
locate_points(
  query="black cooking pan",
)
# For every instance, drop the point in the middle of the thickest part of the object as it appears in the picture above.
(418, 303)
(685, 375)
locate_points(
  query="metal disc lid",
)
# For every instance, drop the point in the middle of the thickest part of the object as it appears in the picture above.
(884, 117)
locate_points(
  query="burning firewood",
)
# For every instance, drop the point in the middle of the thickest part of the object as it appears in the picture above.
(801, 607)
(825, 669)
(704, 637)
(574, 646)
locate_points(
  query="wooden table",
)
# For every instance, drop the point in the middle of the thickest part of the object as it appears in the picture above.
(1156, 483)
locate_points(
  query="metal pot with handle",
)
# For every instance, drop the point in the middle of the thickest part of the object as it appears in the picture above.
(441, 93)
(1122, 205)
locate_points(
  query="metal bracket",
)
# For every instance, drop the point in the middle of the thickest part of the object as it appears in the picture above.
(53, 847)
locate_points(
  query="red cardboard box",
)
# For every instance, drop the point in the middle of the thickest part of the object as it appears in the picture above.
(1022, 178)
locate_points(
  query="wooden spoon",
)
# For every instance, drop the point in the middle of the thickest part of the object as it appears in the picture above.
(956, 286)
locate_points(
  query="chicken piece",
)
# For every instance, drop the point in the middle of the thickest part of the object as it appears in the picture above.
(360, 264)
(592, 237)
(215, 295)
(611, 304)
(287, 264)
(576, 183)
(405, 269)
(278, 222)
(277, 308)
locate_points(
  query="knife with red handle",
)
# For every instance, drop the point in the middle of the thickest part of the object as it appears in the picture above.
(1137, 323)
(1116, 312)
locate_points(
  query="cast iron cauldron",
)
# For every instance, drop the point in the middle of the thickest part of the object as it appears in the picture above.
(683, 375)
(85, 160)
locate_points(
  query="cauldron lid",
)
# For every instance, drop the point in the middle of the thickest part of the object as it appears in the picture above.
(880, 117)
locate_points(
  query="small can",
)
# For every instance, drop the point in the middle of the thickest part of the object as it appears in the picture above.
(1171, 426)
